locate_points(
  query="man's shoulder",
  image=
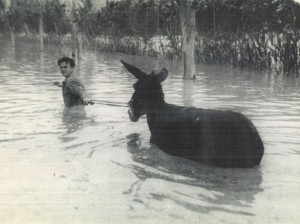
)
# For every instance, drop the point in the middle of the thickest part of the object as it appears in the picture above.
(73, 80)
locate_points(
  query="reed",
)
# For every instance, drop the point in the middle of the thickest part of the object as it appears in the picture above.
(279, 52)
(262, 51)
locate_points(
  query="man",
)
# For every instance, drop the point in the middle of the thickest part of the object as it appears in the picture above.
(73, 90)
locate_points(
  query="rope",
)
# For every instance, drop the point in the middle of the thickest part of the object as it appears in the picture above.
(108, 103)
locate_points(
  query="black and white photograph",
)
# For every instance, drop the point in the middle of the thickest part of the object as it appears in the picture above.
(149, 111)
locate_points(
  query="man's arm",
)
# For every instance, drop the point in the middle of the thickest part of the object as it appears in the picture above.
(76, 86)
(58, 84)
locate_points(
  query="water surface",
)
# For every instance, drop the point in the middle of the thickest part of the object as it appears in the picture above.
(92, 165)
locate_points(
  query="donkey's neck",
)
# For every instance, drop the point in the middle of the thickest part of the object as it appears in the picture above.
(154, 105)
(154, 112)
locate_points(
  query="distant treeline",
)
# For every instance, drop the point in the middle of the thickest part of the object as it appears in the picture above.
(261, 34)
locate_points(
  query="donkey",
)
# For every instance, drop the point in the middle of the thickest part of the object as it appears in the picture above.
(212, 137)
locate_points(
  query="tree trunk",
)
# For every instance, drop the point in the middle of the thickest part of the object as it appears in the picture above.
(12, 34)
(41, 33)
(79, 45)
(26, 29)
(188, 28)
(73, 36)
(76, 41)
(12, 38)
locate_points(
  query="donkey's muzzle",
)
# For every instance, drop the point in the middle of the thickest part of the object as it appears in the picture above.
(132, 116)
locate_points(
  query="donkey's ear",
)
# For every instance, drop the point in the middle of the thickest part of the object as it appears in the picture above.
(134, 70)
(162, 75)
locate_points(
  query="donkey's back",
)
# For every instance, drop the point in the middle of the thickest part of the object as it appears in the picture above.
(221, 138)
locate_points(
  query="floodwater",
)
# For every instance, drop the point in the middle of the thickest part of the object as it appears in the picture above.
(92, 165)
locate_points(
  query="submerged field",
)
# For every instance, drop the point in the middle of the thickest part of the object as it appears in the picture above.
(93, 165)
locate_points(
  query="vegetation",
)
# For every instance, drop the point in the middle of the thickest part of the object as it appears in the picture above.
(258, 34)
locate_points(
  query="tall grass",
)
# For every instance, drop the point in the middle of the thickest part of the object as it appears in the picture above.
(279, 52)
(262, 51)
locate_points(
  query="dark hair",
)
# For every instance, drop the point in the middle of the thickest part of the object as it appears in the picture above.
(67, 60)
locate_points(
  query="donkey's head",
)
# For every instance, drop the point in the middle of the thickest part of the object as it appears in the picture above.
(148, 91)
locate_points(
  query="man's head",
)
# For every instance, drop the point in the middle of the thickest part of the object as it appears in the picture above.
(66, 66)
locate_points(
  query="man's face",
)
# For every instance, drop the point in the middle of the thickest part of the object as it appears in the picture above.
(65, 69)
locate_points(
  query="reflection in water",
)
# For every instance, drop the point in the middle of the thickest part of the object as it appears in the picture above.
(188, 92)
(226, 187)
(42, 60)
(73, 118)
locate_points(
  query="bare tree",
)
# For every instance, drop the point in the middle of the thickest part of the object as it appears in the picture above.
(189, 33)
(40, 6)
(7, 9)
(72, 8)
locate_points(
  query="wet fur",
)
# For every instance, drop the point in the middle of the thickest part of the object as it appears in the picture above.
(219, 138)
